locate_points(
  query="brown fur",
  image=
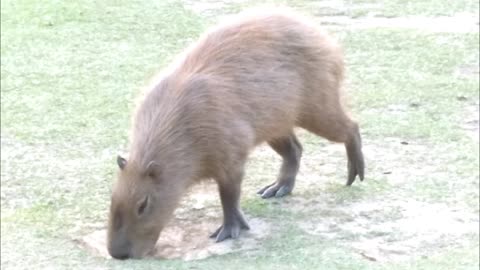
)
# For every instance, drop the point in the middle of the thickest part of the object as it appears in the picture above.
(245, 82)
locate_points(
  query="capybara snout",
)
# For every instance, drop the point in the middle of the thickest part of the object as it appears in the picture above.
(247, 81)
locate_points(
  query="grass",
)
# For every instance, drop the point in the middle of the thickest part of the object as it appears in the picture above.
(70, 72)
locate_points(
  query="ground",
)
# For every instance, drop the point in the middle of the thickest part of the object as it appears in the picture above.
(71, 71)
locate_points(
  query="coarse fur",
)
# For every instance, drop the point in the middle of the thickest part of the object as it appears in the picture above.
(248, 81)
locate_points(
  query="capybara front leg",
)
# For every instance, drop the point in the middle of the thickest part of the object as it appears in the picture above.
(233, 219)
(290, 150)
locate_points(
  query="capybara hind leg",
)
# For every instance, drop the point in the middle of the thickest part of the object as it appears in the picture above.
(291, 151)
(356, 164)
(340, 128)
(233, 219)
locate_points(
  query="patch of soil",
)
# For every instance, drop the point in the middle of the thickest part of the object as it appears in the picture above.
(186, 237)
(459, 23)
(339, 13)
(338, 8)
(210, 8)
(320, 8)
(188, 240)
(395, 230)
(468, 71)
(384, 160)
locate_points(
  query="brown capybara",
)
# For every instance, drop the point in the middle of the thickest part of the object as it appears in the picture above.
(248, 81)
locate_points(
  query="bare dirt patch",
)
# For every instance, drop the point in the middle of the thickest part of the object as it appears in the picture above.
(188, 240)
(210, 8)
(459, 23)
(468, 71)
(391, 231)
(333, 7)
(357, 16)
(385, 159)
(187, 236)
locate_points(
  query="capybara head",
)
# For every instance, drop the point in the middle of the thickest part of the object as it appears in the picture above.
(142, 202)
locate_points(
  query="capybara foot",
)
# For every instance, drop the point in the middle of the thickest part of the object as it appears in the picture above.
(276, 190)
(230, 228)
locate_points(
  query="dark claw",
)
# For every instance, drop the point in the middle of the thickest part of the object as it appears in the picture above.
(231, 229)
(225, 232)
(261, 191)
(275, 190)
(284, 190)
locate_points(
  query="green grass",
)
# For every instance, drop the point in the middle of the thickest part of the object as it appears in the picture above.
(71, 70)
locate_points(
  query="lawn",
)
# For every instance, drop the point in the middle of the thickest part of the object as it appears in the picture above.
(70, 72)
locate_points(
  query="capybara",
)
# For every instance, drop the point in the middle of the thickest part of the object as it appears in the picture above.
(247, 81)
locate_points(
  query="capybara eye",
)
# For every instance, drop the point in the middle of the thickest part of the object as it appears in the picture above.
(142, 206)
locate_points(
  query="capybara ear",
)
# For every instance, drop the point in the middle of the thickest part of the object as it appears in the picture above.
(121, 162)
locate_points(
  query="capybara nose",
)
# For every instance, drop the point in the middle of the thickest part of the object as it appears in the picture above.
(121, 252)
(120, 255)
